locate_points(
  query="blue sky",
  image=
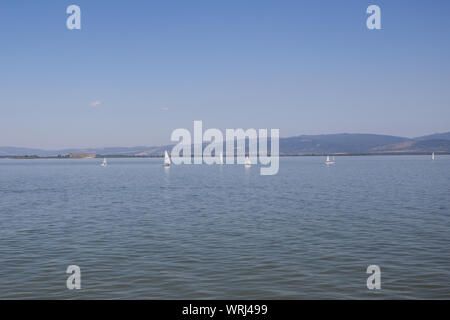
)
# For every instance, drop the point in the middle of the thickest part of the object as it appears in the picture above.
(137, 70)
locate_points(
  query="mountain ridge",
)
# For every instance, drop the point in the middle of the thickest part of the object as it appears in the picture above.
(340, 143)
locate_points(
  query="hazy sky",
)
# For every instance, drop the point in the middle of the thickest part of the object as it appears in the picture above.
(137, 70)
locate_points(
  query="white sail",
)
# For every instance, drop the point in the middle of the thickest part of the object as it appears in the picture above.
(432, 156)
(221, 158)
(329, 161)
(104, 163)
(248, 163)
(167, 161)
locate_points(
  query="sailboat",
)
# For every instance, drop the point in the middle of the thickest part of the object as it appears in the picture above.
(329, 161)
(167, 161)
(104, 163)
(432, 156)
(247, 163)
(221, 158)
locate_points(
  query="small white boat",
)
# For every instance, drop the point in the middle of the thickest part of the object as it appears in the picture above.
(104, 163)
(221, 158)
(329, 161)
(432, 156)
(247, 163)
(167, 161)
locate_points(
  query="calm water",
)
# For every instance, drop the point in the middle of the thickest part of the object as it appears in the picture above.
(198, 232)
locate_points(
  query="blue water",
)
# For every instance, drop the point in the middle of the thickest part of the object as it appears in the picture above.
(140, 231)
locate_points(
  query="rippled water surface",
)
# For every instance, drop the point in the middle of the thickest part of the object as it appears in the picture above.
(138, 230)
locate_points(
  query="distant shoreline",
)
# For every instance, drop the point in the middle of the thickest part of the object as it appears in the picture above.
(343, 144)
(31, 157)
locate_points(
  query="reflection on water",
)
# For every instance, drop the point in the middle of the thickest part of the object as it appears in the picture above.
(139, 230)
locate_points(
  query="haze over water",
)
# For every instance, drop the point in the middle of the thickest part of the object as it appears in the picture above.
(140, 231)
